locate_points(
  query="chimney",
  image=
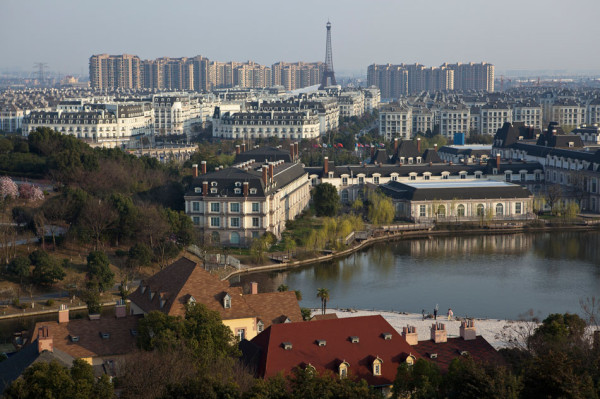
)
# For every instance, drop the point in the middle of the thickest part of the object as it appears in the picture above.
(435, 147)
(395, 144)
(254, 288)
(63, 314)
(419, 144)
(410, 335)
(195, 170)
(237, 149)
(438, 333)
(450, 163)
(430, 163)
(498, 161)
(297, 149)
(245, 189)
(120, 309)
(45, 340)
(265, 171)
(372, 152)
(292, 151)
(243, 147)
(271, 170)
(203, 167)
(326, 166)
(467, 330)
(205, 188)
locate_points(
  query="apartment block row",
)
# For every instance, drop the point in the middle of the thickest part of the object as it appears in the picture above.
(198, 73)
(396, 81)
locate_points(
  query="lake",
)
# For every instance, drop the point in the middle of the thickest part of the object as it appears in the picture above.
(491, 276)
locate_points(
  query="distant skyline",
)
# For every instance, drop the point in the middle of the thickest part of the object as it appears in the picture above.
(513, 35)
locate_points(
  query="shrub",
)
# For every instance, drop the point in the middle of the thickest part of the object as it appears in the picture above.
(50, 302)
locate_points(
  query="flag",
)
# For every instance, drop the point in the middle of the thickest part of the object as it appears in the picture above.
(341, 145)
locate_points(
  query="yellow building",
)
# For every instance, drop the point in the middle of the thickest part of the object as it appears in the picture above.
(184, 282)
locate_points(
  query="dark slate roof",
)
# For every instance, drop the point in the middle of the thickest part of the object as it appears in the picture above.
(381, 156)
(478, 349)
(465, 151)
(263, 154)
(437, 191)
(406, 149)
(431, 155)
(541, 151)
(227, 178)
(14, 366)
(404, 170)
(509, 134)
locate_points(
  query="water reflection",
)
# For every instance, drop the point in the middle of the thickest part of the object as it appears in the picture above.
(484, 276)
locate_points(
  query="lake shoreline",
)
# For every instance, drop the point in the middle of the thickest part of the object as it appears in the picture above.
(397, 236)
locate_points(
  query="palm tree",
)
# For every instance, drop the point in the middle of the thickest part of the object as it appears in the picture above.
(323, 293)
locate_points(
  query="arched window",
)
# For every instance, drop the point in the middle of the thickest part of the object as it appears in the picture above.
(410, 360)
(441, 211)
(215, 238)
(343, 369)
(460, 210)
(377, 366)
(234, 238)
(480, 210)
(499, 209)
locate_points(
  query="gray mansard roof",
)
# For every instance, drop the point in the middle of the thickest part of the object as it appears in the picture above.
(474, 189)
(229, 179)
(263, 154)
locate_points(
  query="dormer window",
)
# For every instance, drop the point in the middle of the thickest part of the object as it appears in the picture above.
(197, 190)
(410, 360)
(354, 339)
(191, 300)
(237, 190)
(343, 369)
(377, 366)
(252, 191)
(227, 301)
(260, 326)
(213, 184)
(213, 190)
(238, 184)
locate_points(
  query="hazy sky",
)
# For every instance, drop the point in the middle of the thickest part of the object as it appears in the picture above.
(512, 34)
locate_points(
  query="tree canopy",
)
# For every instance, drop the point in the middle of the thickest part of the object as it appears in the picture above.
(326, 200)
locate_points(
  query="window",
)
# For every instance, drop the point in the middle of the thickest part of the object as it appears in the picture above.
(507, 176)
(215, 207)
(480, 210)
(260, 326)
(478, 175)
(345, 196)
(394, 178)
(344, 181)
(227, 301)
(499, 209)
(255, 234)
(343, 369)
(240, 333)
(441, 211)
(255, 222)
(234, 207)
(422, 211)
(235, 222)
(255, 207)
(196, 206)
(377, 366)
(518, 208)
(376, 179)
(215, 222)
(361, 180)
(523, 176)
(413, 177)
(460, 210)
(252, 191)
(196, 220)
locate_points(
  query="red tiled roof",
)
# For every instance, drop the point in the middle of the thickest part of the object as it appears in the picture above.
(326, 316)
(338, 348)
(91, 343)
(479, 349)
(184, 279)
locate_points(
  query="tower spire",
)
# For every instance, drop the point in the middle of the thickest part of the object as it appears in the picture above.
(328, 72)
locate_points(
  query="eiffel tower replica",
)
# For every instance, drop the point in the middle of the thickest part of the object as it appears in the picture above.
(328, 72)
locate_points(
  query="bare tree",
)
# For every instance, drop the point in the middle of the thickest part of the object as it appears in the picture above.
(591, 310)
(553, 195)
(517, 334)
(97, 217)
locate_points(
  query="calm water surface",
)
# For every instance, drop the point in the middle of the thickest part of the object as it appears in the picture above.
(496, 276)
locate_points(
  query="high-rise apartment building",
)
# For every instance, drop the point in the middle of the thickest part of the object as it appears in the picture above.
(115, 71)
(399, 80)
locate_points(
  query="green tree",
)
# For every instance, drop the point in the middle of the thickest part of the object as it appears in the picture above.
(282, 288)
(469, 379)
(19, 268)
(380, 208)
(306, 313)
(326, 200)
(421, 380)
(139, 255)
(323, 294)
(51, 380)
(47, 270)
(98, 271)
(92, 299)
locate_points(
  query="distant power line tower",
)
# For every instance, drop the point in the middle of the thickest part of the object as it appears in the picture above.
(41, 66)
(328, 72)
